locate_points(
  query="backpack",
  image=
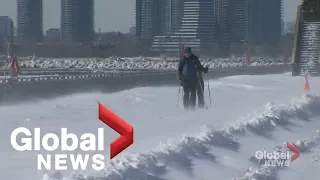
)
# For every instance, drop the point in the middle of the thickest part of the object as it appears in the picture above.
(189, 70)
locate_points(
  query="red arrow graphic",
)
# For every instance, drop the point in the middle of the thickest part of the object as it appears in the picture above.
(120, 126)
(295, 150)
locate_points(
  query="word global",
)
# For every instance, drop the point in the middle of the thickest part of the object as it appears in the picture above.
(87, 142)
(274, 159)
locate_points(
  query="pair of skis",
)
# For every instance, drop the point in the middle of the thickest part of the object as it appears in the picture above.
(181, 94)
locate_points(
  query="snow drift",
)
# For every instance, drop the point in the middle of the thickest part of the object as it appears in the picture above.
(180, 153)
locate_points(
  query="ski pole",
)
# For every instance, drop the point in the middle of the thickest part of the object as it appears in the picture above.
(178, 96)
(209, 93)
(202, 88)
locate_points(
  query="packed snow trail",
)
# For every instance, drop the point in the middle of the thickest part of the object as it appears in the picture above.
(249, 113)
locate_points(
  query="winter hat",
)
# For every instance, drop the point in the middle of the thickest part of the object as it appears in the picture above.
(187, 50)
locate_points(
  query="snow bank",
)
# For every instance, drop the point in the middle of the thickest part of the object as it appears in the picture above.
(181, 153)
(138, 62)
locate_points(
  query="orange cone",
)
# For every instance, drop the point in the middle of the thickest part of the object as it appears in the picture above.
(306, 87)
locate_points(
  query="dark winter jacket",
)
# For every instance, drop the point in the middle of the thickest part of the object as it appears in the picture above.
(194, 61)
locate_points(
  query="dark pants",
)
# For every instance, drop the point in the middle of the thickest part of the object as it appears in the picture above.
(200, 94)
(190, 94)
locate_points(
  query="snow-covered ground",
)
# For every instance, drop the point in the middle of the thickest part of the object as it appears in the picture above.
(248, 113)
(138, 62)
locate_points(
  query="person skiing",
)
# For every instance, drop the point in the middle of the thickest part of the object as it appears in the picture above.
(190, 74)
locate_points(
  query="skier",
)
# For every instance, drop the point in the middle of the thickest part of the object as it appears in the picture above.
(190, 74)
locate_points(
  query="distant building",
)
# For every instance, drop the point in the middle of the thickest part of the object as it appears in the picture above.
(203, 24)
(6, 29)
(53, 33)
(157, 17)
(165, 15)
(283, 31)
(192, 23)
(77, 21)
(266, 21)
(29, 21)
(241, 23)
(147, 18)
(290, 28)
(232, 23)
(176, 14)
(132, 30)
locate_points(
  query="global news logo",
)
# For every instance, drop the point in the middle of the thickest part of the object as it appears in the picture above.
(22, 139)
(279, 158)
(87, 142)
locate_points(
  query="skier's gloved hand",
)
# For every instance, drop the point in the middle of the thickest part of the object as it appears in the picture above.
(181, 80)
(206, 69)
(181, 83)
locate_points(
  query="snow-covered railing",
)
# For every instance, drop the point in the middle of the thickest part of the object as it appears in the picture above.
(25, 79)
(138, 62)
(77, 77)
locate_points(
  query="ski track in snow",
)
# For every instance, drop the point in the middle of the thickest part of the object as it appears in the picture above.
(222, 149)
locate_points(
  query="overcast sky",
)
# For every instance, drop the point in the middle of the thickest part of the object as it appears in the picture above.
(110, 15)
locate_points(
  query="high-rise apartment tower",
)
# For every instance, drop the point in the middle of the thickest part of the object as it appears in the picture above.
(29, 21)
(266, 18)
(148, 22)
(192, 24)
(77, 21)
